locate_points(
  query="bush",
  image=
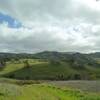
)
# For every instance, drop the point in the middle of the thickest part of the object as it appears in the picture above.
(55, 62)
(12, 76)
(26, 64)
(77, 76)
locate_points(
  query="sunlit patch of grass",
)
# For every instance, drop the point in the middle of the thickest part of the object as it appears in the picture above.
(42, 92)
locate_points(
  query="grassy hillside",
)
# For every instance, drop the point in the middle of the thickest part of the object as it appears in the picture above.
(42, 92)
(49, 70)
(32, 73)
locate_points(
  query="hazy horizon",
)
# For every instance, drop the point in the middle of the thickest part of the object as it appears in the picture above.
(50, 51)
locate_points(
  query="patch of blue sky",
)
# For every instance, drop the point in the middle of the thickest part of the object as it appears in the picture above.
(12, 22)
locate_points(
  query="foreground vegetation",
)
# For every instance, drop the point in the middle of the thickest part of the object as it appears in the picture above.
(83, 85)
(42, 92)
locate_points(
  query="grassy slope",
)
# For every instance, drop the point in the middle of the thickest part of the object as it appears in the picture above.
(14, 66)
(45, 70)
(10, 91)
(42, 92)
(40, 70)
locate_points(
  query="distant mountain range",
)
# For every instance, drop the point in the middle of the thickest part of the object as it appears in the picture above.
(51, 55)
(73, 57)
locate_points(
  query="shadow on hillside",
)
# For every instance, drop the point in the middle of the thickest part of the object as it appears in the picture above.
(47, 72)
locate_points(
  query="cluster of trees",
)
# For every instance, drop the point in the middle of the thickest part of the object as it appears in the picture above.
(26, 64)
(2, 64)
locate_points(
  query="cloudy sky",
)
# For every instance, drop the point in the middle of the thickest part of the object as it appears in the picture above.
(54, 25)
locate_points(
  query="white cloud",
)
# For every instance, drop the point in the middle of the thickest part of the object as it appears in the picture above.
(63, 25)
(92, 4)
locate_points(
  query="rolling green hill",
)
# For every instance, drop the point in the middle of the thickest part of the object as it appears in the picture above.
(50, 66)
(49, 70)
(48, 55)
(95, 55)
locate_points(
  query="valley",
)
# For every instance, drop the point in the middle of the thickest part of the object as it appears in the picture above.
(49, 76)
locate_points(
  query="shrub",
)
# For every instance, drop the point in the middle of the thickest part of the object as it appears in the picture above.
(55, 62)
(26, 64)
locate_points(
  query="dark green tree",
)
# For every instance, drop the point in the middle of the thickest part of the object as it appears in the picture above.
(26, 64)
